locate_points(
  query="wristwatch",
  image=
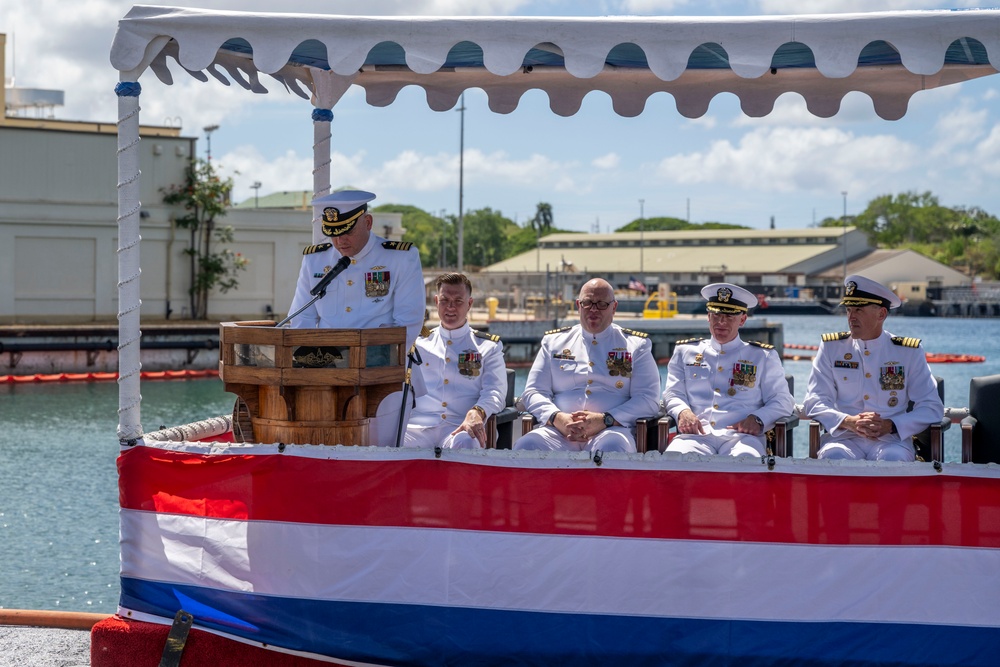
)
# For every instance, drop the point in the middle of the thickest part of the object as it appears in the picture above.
(760, 424)
(609, 421)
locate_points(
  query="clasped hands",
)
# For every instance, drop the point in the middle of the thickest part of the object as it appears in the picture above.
(688, 422)
(868, 424)
(579, 426)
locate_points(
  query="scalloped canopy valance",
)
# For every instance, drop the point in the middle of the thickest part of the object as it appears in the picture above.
(887, 55)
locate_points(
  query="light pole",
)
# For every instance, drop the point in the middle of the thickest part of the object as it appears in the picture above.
(461, 178)
(256, 190)
(843, 220)
(209, 129)
(642, 231)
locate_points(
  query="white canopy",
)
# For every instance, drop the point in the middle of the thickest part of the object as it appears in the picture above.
(886, 55)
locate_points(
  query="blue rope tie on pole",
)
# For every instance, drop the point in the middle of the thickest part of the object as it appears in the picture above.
(128, 89)
(322, 115)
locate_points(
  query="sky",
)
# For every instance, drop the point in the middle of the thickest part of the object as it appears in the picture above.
(597, 170)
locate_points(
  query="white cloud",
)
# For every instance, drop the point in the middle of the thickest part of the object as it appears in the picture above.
(786, 160)
(958, 128)
(848, 6)
(609, 161)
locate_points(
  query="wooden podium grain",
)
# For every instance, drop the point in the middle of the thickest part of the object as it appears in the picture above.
(320, 406)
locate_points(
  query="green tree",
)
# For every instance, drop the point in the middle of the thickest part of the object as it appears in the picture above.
(543, 221)
(203, 197)
(426, 231)
(668, 224)
(487, 233)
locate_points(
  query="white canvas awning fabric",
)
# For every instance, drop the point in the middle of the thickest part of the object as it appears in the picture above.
(886, 55)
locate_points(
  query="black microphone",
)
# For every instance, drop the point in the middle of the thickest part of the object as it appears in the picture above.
(325, 281)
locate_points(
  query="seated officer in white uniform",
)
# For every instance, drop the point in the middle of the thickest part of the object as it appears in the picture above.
(591, 381)
(862, 381)
(724, 393)
(381, 287)
(463, 371)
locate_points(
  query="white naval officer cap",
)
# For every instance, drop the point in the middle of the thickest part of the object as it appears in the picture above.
(342, 209)
(861, 291)
(727, 298)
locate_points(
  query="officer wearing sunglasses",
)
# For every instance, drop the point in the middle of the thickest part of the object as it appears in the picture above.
(591, 381)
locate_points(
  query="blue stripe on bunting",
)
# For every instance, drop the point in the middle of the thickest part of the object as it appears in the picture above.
(425, 635)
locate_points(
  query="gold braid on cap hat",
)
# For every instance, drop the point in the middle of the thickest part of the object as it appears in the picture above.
(335, 223)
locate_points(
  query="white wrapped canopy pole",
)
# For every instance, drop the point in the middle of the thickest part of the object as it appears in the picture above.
(129, 399)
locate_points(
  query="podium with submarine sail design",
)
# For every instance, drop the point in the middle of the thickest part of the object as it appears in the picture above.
(311, 386)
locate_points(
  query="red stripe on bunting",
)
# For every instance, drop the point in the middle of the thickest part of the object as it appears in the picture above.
(662, 504)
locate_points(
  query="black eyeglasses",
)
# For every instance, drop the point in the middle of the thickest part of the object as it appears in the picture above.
(587, 304)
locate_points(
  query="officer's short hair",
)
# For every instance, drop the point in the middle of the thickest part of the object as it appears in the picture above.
(453, 279)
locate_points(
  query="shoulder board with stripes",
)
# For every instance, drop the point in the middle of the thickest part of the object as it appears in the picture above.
(424, 331)
(633, 332)
(906, 341)
(689, 341)
(488, 336)
(319, 247)
(396, 245)
(554, 331)
(766, 346)
(837, 335)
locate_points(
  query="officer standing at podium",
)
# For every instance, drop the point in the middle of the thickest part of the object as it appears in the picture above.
(382, 286)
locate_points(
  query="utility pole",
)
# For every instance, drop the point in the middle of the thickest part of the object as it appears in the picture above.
(843, 220)
(642, 232)
(461, 179)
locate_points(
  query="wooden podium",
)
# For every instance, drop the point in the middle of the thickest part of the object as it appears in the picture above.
(327, 397)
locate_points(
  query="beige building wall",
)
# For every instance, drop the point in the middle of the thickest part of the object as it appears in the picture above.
(59, 233)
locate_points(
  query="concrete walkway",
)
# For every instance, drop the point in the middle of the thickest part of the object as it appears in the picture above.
(22, 646)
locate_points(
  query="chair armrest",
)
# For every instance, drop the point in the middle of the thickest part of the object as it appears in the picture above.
(645, 432)
(494, 425)
(663, 426)
(782, 434)
(968, 426)
(527, 423)
(814, 431)
(508, 414)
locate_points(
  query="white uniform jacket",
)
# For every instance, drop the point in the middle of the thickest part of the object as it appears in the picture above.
(382, 286)
(613, 371)
(883, 375)
(723, 384)
(461, 368)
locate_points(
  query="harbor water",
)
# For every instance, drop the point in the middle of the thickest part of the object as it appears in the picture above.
(58, 484)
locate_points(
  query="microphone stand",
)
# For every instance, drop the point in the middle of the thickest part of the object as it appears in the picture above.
(319, 291)
(412, 357)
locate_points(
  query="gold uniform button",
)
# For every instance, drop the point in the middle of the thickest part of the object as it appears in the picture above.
(868, 375)
(590, 382)
(446, 381)
(354, 261)
(449, 342)
(444, 416)
(591, 363)
(447, 360)
(866, 397)
(350, 282)
(720, 368)
(717, 390)
(867, 353)
(348, 309)
(588, 392)
(712, 422)
(845, 378)
(444, 404)
(593, 342)
(716, 406)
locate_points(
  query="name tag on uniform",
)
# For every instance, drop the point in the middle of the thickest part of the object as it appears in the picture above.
(845, 364)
